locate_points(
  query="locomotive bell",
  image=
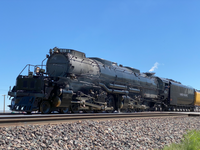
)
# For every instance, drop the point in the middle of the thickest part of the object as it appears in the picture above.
(56, 101)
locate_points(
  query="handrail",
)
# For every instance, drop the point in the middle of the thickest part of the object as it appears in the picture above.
(24, 69)
(29, 65)
(42, 63)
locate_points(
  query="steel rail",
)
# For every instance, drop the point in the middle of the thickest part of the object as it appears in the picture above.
(71, 117)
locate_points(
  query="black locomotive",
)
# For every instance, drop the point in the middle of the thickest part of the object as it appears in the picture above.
(72, 83)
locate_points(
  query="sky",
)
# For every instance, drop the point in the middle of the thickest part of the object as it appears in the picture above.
(149, 35)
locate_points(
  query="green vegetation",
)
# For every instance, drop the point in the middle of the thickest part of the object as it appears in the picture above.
(191, 141)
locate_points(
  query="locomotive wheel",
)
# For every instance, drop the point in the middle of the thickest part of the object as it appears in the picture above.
(28, 112)
(45, 107)
(74, 108)
(110, 103)
(192, 109)
(64, 110)
(161, 109)
(125, 110)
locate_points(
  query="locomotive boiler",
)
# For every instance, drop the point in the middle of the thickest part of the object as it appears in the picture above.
(73, 82)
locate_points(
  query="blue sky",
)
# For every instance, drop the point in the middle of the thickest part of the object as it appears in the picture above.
(130, 32)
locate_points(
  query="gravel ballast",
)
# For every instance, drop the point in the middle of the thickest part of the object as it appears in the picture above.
(153, 133)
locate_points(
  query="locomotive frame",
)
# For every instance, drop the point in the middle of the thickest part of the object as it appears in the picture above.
(72, 83)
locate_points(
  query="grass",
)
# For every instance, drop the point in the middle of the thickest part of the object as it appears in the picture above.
(191, 141)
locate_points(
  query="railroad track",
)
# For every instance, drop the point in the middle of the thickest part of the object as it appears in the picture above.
(7, 120)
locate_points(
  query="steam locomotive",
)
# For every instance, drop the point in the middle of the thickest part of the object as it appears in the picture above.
(72, 83)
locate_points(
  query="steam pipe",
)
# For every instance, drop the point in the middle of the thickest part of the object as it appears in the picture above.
(113, 91)
(133, 90)
(118, 86)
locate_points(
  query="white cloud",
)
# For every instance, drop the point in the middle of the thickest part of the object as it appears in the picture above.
(154, 67)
